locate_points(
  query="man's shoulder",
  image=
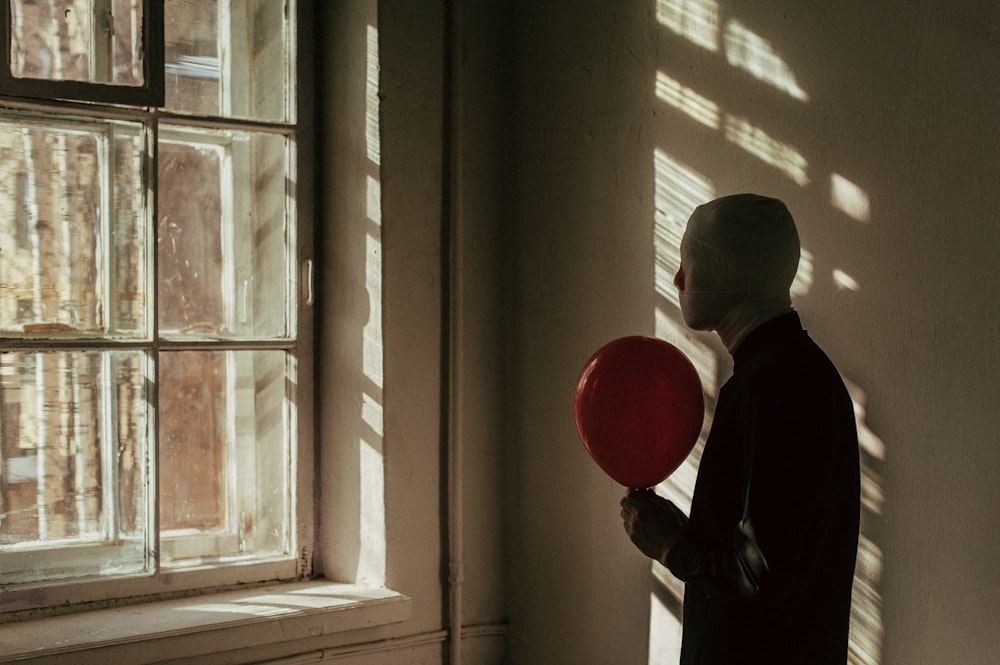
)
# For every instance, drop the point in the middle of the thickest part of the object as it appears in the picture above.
(799, 367)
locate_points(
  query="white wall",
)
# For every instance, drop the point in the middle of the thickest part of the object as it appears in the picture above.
(899, 100)
(384, 339)
(565, 140)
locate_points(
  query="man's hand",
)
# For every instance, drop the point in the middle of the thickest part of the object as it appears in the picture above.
(653, 523)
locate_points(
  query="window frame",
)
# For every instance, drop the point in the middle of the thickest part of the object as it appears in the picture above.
(60, 596)
(150, 93)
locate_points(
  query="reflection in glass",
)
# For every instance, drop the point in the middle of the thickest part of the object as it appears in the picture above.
(223, 234)
(225, 455)
(229, 59)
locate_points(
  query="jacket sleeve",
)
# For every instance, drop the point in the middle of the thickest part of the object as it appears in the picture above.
(741, 569)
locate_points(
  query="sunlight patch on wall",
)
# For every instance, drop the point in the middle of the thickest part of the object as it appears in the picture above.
(373, 327)
(755, 55)
(870, 443)
(678, 190)
(702, 356)
(687, 101)
(371, 414)
(664, 633)
(804, 275)
(866, 634)
(679, 485)
(373, 201)
(372, 136)
(372, 558)
(872, 494)
(872, 450)
(769, 150)
(849, 198)
(371, 563)
(844, 281)
(695, 20)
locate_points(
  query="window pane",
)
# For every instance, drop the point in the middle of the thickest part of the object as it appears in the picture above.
(73, 427)
(224, 455)
(72, 228)
(223, 238)
(228, 59)
(97, 41)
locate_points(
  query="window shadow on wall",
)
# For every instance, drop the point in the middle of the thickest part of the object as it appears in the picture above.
(705, 127)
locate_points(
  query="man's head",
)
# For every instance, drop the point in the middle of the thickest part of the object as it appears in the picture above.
(737, 250)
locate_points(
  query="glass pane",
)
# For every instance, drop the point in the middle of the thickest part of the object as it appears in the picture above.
(223, 238)
(228, 59)
(97, 41)
(73, 427)
(70, 265)
(224, 455)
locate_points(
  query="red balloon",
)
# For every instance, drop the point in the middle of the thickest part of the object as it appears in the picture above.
(639, 408)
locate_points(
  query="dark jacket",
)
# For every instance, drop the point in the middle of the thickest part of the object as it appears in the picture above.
(784, 425)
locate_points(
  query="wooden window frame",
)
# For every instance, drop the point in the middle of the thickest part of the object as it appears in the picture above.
(99, 101)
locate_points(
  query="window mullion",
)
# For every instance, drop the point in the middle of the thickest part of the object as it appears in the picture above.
(106, 158)
(151, 177)
(226, 57)
(109, 453)
(102, 41)
(231, 483)
(227, 218)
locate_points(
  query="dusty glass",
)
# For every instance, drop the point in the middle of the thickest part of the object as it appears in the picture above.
(73, 478)
(224, 237)
(73, 229)
(96, 41)
(229, 59)
(224, 455)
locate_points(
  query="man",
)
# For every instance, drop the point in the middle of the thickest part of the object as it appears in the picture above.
(768, 553)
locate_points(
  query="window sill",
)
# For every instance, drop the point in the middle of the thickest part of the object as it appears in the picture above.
(194, 627)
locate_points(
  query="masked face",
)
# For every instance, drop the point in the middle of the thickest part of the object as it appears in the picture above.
(702, 281)
(735, 250)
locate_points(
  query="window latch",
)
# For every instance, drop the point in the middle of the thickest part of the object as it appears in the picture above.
(307, 282)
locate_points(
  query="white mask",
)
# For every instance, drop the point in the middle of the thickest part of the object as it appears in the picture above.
(739, 256)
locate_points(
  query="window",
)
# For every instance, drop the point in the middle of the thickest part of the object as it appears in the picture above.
(62, 48)
(154, 278)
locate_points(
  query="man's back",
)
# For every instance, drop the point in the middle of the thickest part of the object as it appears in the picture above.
(787, 410)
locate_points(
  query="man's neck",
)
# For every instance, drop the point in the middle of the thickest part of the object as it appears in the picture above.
(746, 317)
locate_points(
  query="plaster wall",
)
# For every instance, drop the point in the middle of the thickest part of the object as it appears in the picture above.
(589, 130)
(876, 123)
